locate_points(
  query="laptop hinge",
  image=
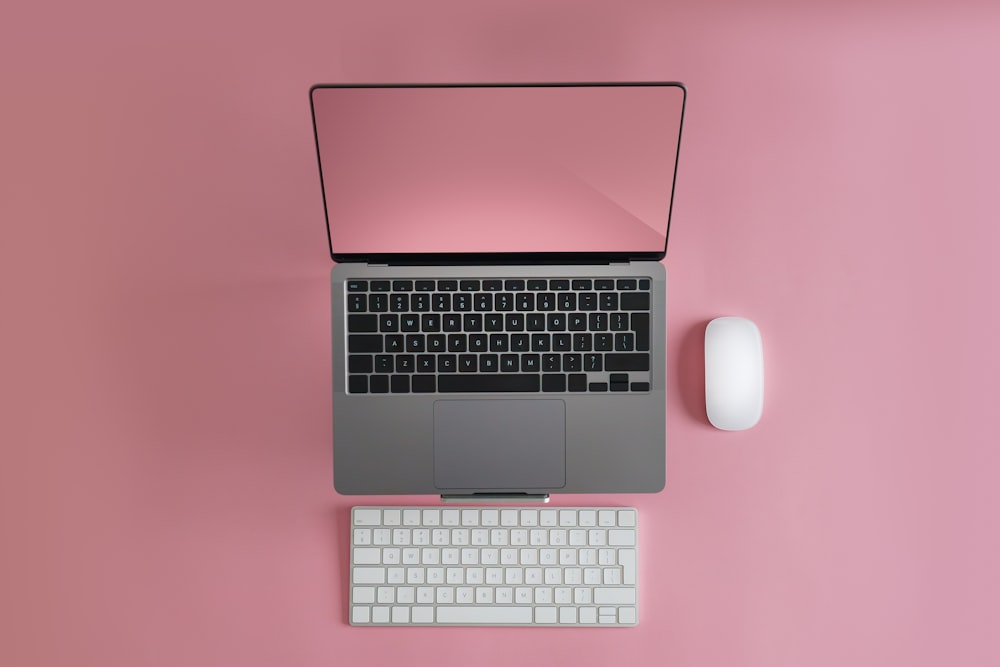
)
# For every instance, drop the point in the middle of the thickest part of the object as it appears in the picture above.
(495, 498)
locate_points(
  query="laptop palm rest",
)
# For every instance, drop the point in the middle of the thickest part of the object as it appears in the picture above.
(499, 444)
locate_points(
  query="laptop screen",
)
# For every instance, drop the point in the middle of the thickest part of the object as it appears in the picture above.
(498, 169)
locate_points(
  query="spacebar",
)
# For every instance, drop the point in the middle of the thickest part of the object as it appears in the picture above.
(488, 382)
(480, 615)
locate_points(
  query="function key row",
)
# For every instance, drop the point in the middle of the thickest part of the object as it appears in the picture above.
(442, 302)
(509, 285)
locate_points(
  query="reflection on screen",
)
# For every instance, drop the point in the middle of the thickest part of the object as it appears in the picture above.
(498, 169)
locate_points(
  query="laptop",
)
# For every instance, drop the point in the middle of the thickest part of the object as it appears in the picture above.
(498, 297)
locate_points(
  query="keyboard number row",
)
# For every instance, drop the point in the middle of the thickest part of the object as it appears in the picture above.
(367, 516)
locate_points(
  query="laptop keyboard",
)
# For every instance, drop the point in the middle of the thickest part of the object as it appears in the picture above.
(498, 336)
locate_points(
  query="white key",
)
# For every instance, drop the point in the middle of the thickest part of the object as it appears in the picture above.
(597, 537)
(474, 575)
(484, 615)
(529, 518)
(508, 556)
(543, 596)
(612, 576)
(380, 614)
(533, 575)
(364, 594)
(449, 518)
(425, 595)
(581, 596)
(588, 556)
(508, 517)
(464, 595)
(538, 537)
(567, 615)
(498, 537)
(415, 575)
(401, 536)
(445, 595)
(529, 556)
(547, 556)
(505, 595)
(489, 556)
(400, 614)
(435, 575)
(567, 556)
(545, 614)
(421, 537)
(362, 536)
(470, 556)
(430, 556)
(405, 595)
(490, 517)
(391, 517)
(588, 518)
(369, 575)
(626, 558)
(522, 595)
(484, 595)
(367, 556)
(621, 538)
(382, 536)
(439, 537)
(578, 538)
(606, 557)
(422, 615)
(573, 576)
(519, 537)
(588, 615)
(626, 615)
(367, 517)
(391, 556)
(564, 595)
(470, 517)
(395, 575)
(548, 518)
(553, 575)
(460, 537)
(592, 576)
(513, 575)
(567, 517)
(386, 594)
(557, 538)
(626, 518)
(614, 596)
(432, 517)
(494, 575)
(360, 615)
(411, 556)
(411, 517)
(455, 575)
(449, 556)
(607, 618)
(480, 537)
(606, 518)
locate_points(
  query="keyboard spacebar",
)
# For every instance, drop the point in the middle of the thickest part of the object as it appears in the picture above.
(480, 615)
(488, 383)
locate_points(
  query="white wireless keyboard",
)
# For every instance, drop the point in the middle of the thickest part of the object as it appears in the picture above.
(564, 566)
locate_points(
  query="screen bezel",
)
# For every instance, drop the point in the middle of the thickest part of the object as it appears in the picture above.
(450, 258)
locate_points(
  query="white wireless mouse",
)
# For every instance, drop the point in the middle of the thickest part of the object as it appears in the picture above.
(734, 373)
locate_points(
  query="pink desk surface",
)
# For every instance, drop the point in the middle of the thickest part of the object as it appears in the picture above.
(165, 477)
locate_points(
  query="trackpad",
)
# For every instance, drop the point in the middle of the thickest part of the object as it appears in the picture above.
(500, 444)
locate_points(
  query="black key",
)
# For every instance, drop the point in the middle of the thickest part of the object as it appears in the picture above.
(619, 386)
(566, 301)
(425, 285)
(525, 301)
(472, 322)
(546, 301)
(457, 343)
(421, 302)
(539, 343)
(380, 286)
(451, 323)
(508, 363)
(514, 322)
(383, 363)
(558, 285)
(446, 363)
(364, 343)
(378, 303)
(402, 285)
(519, 342)
(598, 386)
(592, 363)
(624, 341)
(576, 322)
(399, 303)
(357, 303)
(640, 386)
(588, 301)
(635, 301)
(604, 285)
(513, 285)
(603, 342)
(582, 284)
(582, 342)
(388, 323)
(467, 363)
(483, 301)
(619, 321)
(394, 343)
(562, 342)
(499, 343)
(362, 323)
(487, 383)
(578, 382)
(644, 283)
(409, 323)
(405, 363)
(462, 302)
(489, 363)
(536, 285)
(636, 361)
(447, 285)
(556, 322)
(492, 285)
(359, 363)
(608, 300)
(551, 363)
(357, 285)
(535, 322)
(430, 323)
(415, 343)
(441, 302)
(504, 301)
(469, 285)
(618, 377)
(357, 384)
(400, 384)
(436, 343)
(640, 325)
(425, 364)
(553, 382)
(530, 363)
(627, 284)
(478, 343)
(572, 362)
(379, 384)
(423, 384)
(598, 321)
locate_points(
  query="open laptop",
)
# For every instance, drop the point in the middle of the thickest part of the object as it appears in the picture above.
(498, 300)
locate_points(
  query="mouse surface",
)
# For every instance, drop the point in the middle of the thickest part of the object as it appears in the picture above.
(734, 373)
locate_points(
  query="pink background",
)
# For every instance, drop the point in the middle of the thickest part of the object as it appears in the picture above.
(165, 482)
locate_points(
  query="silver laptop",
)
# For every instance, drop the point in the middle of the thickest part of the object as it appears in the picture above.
(498, 300)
